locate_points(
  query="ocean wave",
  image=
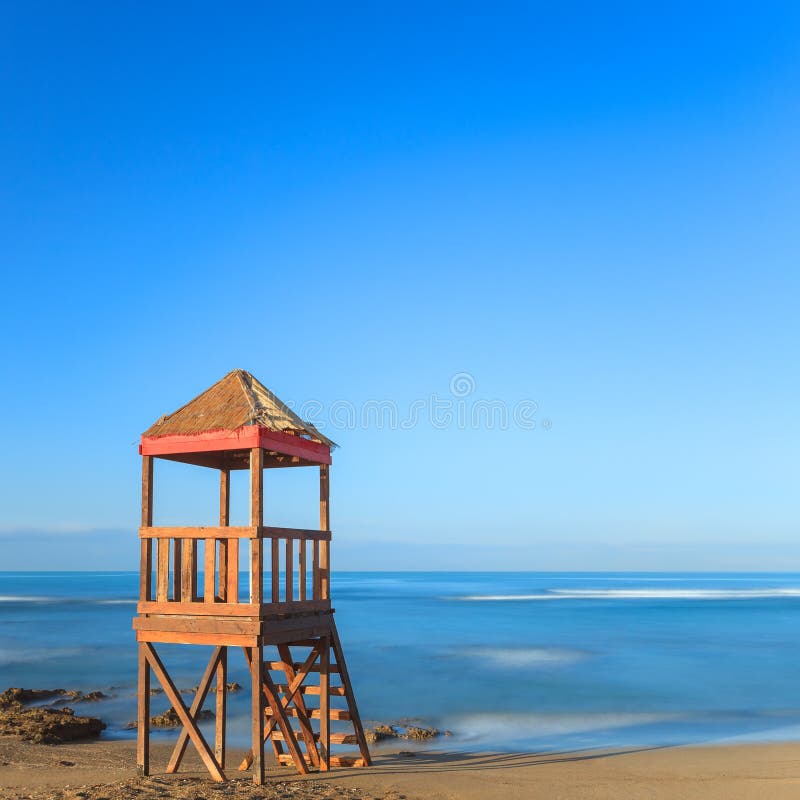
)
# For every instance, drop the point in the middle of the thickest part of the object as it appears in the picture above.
(29, 598)
(639, 594)
(9, 656)
(25, 598)
(494, 727)
(499, 597)
(114, 602)
(510, 657)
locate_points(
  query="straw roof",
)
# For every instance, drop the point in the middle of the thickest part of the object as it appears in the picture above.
(236, 400)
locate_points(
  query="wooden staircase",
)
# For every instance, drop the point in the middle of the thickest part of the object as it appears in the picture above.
(299, 706)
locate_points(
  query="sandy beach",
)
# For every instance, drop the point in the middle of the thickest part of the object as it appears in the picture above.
(102, 769)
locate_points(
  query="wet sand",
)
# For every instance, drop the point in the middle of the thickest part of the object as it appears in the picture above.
(762, 772)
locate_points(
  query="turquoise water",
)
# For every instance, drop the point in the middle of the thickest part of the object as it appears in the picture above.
(511, 661)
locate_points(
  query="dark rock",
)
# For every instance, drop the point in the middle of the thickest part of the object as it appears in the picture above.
(170, 719)
(379, 733)
(47, 725)
(17, 695)
(56, 696)
(91, 697)
(419, 732)
(403, 729)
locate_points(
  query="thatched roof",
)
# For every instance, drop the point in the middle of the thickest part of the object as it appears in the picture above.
(236, 400)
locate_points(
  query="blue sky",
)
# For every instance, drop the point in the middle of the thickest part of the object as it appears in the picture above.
(593, 208)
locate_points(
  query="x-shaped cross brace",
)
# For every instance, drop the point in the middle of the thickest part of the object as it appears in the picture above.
(279, 718)
(188, 717)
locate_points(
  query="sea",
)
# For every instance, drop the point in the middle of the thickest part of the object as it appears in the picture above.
(518, 662)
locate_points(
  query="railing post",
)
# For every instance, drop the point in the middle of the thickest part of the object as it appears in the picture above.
(315, 579)
(177, 570)
(289, 561)
(162, 570)
(209, 568)
(146, 565)
(189, 571)
(324, 525)
(302, 567)
(275, 569)
(224, 521)
(257, 521)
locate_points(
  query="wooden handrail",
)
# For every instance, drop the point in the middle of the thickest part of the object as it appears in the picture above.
(202, 609)
(268, 532)
(178, 583)
(233, 532)
(210, 532)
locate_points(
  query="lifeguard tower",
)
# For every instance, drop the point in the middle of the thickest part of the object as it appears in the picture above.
(282, 619)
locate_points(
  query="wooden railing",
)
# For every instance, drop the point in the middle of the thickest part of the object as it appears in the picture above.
(197, 570)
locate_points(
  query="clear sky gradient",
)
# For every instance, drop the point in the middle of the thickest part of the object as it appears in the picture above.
(593, 207)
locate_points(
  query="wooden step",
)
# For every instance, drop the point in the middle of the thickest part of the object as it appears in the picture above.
(336, 738)
(347, 761)
(285, 758)
(333, 691)
(335, 761)
(335, 713)
(344, 738)
(280, 665)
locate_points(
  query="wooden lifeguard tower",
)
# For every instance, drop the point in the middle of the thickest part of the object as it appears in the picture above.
(282, 619)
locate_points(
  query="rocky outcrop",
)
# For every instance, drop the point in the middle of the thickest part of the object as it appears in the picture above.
(44, 725)
(170, 719)
(402, 729)
(55, 696)
(231, 687)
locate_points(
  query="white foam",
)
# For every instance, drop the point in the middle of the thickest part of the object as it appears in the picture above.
(680, 594)
(522, 656)
(29, 598)
(640, 594)
(499, 727)
(25, 598)
(115, 602)
(500, 597)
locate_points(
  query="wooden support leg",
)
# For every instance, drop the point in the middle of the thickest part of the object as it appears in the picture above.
(222, 695)
(143, 722)
(276, 746)
(324, 704)
(257, 713)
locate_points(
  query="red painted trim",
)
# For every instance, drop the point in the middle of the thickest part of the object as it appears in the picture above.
(244, 438)
(241, 439)
(294, 446)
